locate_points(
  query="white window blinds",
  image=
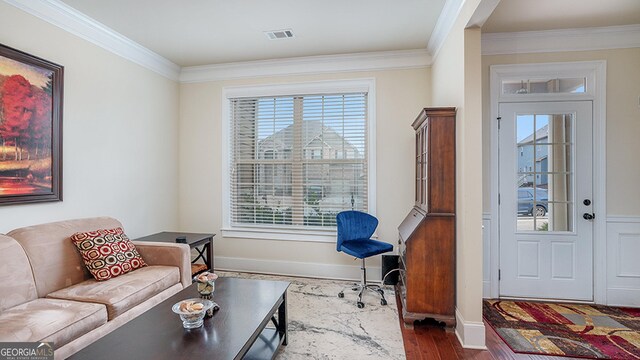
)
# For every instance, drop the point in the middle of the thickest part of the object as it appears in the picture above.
(296, 161)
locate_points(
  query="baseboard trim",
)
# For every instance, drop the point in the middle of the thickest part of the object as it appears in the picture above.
(290, 268)
(471, 334)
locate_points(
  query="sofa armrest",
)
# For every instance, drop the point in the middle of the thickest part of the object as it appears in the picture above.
(158, 253)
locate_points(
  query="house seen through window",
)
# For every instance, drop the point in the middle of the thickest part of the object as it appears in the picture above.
(296, 161)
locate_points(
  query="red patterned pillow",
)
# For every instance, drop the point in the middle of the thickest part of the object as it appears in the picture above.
(107, 253)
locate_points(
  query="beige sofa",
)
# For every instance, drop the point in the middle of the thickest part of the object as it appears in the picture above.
(47, 294)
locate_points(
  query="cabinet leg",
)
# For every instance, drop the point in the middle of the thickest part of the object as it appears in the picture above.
(449, 325)
(408, 325)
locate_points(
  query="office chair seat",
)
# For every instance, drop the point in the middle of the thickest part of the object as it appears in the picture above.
(364, 248)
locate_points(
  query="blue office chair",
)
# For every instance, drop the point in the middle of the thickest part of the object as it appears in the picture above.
(354, 238)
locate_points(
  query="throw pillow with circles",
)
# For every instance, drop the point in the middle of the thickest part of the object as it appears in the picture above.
(107, 253)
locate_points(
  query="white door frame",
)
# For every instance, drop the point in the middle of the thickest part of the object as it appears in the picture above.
(595, 73)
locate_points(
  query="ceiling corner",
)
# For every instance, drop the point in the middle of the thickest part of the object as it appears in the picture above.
(65, 17)
(445, 22)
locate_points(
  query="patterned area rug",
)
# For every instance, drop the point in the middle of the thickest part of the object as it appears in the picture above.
(588, 331)
(323, 326)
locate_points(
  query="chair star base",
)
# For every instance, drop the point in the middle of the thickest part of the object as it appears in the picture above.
(363, 287)
(361, 291)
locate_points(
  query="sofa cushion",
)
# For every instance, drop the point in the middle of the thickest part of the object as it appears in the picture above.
(107, 253)
(55, 261)
(60, 321)
(16, 279)
(123, 292)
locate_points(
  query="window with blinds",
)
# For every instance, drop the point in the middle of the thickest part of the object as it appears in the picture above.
(296, 161)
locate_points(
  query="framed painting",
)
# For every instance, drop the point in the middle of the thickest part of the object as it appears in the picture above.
(30, 128)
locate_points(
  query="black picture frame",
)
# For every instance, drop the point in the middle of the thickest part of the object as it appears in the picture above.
(31, 99)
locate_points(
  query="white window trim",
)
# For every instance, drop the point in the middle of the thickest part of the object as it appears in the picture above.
(367, 85)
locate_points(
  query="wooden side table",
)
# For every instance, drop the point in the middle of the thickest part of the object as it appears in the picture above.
(203, 243)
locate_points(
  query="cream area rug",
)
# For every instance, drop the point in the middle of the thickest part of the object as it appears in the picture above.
(323, 326)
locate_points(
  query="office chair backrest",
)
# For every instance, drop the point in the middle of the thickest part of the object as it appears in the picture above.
(354, 225)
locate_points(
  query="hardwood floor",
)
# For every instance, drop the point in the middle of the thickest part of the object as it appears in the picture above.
(427, 341)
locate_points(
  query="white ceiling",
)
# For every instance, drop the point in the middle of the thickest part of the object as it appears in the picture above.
(530, 15)
(202, 32)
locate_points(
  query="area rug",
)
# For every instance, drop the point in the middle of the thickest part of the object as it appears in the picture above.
(586, 331)
(323, 326)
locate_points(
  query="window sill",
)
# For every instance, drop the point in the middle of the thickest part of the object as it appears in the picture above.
(279, 234)
(282, 234)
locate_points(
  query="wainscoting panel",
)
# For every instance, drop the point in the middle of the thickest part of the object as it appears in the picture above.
(623, 261)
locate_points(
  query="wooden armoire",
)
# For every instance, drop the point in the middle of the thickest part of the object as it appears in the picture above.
(427, 234)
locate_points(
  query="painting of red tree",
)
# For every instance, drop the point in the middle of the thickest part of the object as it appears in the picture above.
(30, 127)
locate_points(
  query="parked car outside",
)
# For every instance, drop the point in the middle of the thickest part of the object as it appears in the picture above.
(526, 201)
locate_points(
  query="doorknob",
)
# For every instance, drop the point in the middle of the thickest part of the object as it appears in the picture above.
(586, 202)
(588, 216)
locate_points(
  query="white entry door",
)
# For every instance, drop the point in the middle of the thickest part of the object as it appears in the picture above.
(546, 187)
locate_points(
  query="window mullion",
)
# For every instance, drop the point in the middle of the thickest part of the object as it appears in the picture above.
(254, 170)
(297, 181)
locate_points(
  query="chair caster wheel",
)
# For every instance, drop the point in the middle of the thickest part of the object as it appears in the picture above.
(383, 302)
(360, 304)
(341, 294)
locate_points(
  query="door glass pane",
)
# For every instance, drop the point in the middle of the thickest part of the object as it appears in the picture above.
(524, 127)
(424, 166)
(417, 169)
(545, 176)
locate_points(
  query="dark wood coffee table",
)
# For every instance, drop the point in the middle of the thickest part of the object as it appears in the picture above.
(236, 331)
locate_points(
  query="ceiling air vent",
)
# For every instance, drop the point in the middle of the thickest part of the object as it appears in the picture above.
(279, 34)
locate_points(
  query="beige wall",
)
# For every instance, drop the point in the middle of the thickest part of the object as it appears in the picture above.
(400, 95)
(120, 132)
(623, 121)
(457, 82)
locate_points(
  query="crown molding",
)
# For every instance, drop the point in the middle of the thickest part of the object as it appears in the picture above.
(482, 13)
(384, 60)
(75, 22)
(599, 38)
(443, 27)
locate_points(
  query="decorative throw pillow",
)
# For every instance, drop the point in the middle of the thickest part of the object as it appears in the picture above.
(107, 253)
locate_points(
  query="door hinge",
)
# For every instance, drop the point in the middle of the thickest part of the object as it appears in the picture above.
(499, 274)
(498, 199)
(499, 118)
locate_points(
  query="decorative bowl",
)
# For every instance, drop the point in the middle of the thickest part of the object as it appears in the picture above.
(205, 283)
(191, 318)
